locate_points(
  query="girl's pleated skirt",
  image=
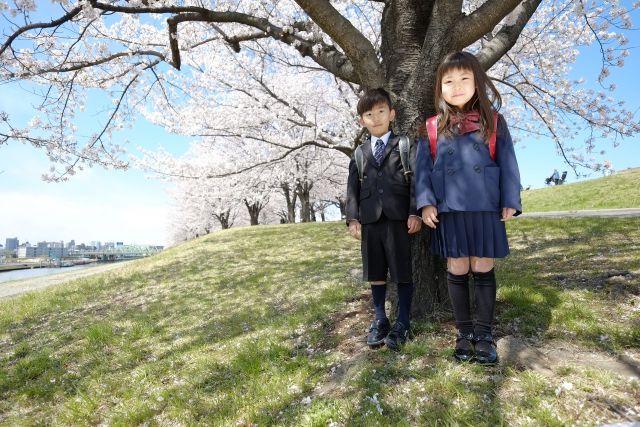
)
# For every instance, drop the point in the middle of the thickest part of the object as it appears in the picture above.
(464, 234)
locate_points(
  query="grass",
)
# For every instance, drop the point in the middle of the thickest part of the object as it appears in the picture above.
(264, 326)
(616, 191)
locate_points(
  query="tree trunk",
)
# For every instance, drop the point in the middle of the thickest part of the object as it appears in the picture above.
(223, 219)
(312, 213)
(409, 75)
(342, 205)
(303, 189)
(290, 198)
(254, 211)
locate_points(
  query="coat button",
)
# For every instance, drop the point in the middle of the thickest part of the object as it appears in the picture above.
(476, 168)
(450, 151)
(450, 172)
(476, 146)
(380, 191)
(379, 173)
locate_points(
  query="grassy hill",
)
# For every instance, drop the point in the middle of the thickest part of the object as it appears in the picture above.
(616, 191)
(266, 326)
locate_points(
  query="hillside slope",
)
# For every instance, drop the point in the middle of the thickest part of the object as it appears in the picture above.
(621, 190)
(266, 326)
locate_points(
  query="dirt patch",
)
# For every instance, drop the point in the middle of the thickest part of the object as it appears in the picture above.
(548, 357)
(347, 339)
(614, 283)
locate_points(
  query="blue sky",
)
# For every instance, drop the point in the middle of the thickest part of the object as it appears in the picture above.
(110, 205)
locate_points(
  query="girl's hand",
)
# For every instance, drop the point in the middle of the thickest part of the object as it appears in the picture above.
(430, 216)
(507, 214)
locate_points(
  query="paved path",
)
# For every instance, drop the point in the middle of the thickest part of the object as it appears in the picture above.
(626, 212)
(16, 287)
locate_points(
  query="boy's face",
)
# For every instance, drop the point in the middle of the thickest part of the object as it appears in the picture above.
(378, 119)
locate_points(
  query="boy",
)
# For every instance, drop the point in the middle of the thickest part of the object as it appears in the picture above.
(381, 211)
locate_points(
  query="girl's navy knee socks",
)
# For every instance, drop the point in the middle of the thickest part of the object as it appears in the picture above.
(458, 285)
(405, 294)
(485, 300)
(379, 293)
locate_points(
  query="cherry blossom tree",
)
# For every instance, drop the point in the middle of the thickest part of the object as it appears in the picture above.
(157, 56)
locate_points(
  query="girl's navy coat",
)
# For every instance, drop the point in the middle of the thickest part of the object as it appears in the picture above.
(465, 178)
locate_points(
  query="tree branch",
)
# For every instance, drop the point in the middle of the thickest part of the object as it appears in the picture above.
(326, 56)
(504, 40)
(472, 27)
(68, 17)
(356, 46)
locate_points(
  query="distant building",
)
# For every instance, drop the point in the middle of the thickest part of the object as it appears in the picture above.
(12, 244)
(119, 244)
(51, 249)
(71, 245)
(26, 251)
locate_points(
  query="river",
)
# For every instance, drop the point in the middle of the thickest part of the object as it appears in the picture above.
(7, 276)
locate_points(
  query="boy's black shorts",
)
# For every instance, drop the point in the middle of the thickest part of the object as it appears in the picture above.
(385, 247)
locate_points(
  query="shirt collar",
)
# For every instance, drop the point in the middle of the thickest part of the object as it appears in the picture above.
(384, 138)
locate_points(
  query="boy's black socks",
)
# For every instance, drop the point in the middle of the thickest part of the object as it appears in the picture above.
(405, 294)
(379, 293)
(458, 285)
(485, 300)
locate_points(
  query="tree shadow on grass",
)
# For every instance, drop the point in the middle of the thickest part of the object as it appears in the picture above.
(571, 272)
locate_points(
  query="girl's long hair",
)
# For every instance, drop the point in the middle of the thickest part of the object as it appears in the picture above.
(485, 100)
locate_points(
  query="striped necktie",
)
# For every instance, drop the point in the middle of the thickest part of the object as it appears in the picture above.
(378, 151)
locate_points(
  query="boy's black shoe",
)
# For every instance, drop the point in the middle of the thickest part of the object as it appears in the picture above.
(464, 347)
(397, 336)
(485, 349)
(377, 332)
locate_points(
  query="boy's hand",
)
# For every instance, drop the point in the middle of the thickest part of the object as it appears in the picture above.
(430, 216)
(355, 229)
(507, 214)
(414, 224)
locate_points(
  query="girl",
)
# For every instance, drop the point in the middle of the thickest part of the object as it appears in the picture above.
(466, 192)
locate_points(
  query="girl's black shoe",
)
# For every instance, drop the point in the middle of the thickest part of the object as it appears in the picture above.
(485, 349)
(464, 351)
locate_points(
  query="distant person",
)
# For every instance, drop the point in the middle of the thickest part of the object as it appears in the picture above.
(381, 211)
(555, 177)
(467, 186)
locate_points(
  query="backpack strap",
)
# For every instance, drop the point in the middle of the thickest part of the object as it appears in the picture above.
(359, 157)
(492, 138)
(403, 144)
(432, 131)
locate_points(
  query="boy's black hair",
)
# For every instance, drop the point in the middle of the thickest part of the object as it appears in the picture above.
(371, 98)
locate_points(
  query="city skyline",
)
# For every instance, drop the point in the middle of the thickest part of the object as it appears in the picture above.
(95, 243)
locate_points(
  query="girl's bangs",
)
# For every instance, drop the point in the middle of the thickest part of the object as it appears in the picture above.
(456, 62)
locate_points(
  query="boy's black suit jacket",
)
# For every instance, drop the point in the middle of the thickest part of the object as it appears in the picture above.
(384, 188)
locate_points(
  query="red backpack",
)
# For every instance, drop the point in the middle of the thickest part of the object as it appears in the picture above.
(432, 130)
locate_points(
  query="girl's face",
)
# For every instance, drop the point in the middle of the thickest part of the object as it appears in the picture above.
(458, 87)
